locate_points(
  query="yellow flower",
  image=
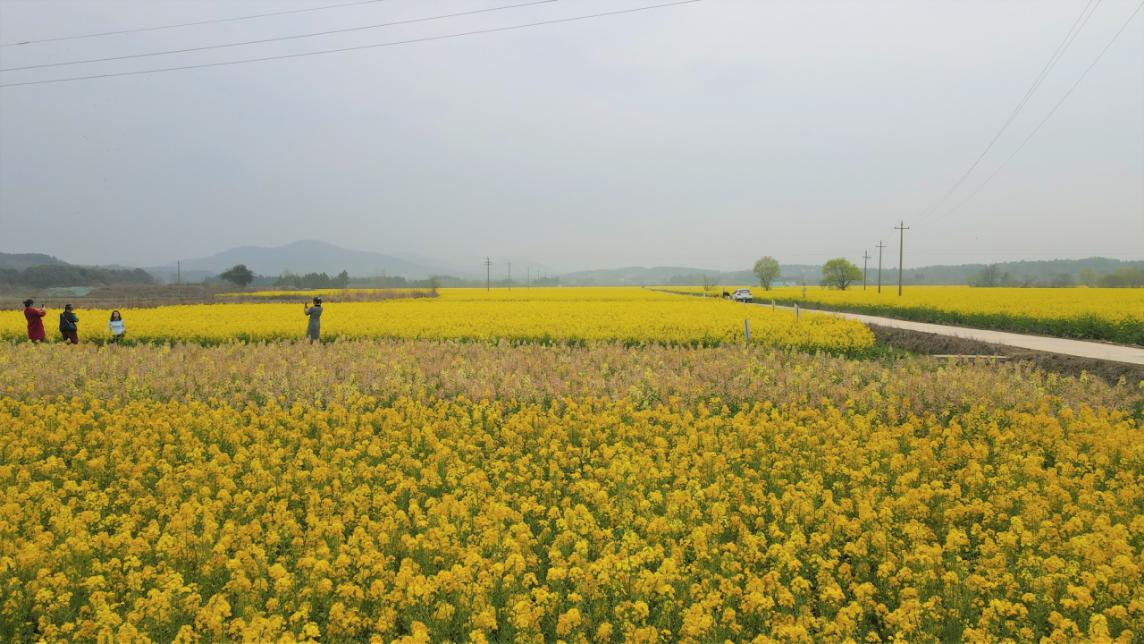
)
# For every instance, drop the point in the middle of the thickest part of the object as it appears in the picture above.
(568, 622)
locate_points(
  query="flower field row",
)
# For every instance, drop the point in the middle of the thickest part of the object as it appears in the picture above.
(1112, 314)
(433, 490)
(678, 376)
(363, 509)
(346, 293)
(632, 316)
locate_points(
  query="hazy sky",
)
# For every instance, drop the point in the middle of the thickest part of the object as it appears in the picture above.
(707, 134)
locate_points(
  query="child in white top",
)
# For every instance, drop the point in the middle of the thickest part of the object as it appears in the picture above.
(116, 326)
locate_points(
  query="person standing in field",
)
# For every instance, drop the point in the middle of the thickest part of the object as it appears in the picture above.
(314, 329)
(117, 327)
(69, 325)
(35, 319)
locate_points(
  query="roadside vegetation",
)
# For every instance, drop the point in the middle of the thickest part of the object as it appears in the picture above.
(1109, 314)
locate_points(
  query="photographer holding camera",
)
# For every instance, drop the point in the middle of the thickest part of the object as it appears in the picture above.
(314, 328)
(35, 319)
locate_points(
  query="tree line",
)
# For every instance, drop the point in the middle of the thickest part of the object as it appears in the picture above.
(58, 275)
(995, 275)
(837, 273)
(242, 276)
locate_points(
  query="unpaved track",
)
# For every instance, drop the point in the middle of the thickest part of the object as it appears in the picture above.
(1062, 346)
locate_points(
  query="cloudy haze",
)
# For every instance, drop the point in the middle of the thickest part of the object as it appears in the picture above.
(706, 134)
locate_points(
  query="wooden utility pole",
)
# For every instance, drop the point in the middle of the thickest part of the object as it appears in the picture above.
(488, 273)
(902, 227)
(880, 247)
(510, 276)
(865, 260)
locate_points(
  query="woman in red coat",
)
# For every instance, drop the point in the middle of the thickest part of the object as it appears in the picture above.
(35, 321)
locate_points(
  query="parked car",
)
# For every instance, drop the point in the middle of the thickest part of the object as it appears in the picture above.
(741, 295)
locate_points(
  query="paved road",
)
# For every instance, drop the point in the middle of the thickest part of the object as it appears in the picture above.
(1095, 350)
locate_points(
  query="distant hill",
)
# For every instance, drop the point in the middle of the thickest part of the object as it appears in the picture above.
(320, 257)
(301, 257)
(1047, 272)
(1057, 272)
(682, 275)
(38, 271)
(633, 276)
(21, 261)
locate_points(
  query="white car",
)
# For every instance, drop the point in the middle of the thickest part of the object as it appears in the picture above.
(741, 295)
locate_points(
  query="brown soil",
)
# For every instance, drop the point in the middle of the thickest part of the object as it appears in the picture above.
(933, 344)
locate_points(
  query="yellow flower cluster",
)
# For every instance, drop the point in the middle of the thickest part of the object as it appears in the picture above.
(583, 519)
(304, 295)
(627, 315)
(1115, 314)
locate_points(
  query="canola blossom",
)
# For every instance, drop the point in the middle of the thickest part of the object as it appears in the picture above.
(425, 491)
(304, 294)
(1113, 314)
(627, 315)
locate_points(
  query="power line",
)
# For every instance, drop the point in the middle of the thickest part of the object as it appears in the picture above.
(1058, 53)
(360, 47)
(280, 38)
(192, 24)
(1048, 116)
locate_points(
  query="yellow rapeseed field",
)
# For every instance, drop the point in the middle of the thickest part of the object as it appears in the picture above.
(1114, 314)
(306, 294)
(627, 315)
(373, 490)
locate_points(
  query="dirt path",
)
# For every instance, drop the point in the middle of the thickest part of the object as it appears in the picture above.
(934, 344)
(1062, 346)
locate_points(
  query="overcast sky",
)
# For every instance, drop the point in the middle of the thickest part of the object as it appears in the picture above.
(706, 135)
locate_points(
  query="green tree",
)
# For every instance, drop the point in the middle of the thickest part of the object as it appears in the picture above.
(767, 270)
(990, 275)
(239, 275)
(1124, 277)
(839, 273)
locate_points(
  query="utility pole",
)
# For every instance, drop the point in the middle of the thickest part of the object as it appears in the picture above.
(178, 271)
(880, 247)
(488, 273)
(902, 227)
(510, 276)
(865, 259)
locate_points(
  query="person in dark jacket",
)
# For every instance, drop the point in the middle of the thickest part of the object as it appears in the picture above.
(69, 325)
(35, 319)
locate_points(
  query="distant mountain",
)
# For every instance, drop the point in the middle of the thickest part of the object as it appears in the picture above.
(302, 257)
(20, 261)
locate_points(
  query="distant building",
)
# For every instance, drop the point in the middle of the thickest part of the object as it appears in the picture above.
(67, 291)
